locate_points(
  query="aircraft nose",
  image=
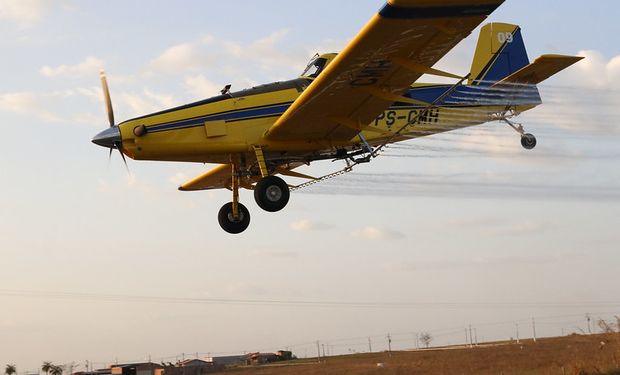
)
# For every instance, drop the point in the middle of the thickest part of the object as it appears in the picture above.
(108, 138)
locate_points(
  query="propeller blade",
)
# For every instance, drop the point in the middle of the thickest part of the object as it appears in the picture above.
(118, 147)
(107, 99)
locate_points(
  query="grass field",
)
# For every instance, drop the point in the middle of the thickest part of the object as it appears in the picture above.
(571, 355)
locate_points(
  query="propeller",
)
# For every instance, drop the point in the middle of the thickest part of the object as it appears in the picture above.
(106, 97)
(110, 138)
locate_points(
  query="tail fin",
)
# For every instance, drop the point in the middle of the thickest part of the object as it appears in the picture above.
(500, 53)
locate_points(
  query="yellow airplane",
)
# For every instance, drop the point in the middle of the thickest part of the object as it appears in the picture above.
(347, 106)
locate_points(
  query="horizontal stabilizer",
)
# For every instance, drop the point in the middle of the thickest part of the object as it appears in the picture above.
(544, 67)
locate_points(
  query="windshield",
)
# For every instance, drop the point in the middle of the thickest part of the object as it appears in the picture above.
(314, 68)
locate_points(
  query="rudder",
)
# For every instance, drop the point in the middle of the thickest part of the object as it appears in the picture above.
(500, 52)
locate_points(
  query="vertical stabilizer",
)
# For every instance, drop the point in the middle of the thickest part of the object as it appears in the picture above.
(500, 52)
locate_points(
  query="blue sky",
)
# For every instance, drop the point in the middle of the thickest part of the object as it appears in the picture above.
(465, 218)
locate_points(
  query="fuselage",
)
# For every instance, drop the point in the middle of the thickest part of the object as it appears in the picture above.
(211, 130)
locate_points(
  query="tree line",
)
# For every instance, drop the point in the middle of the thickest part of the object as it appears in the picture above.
(48, 367)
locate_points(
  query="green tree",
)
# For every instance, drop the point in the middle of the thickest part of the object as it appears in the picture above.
(10, 370)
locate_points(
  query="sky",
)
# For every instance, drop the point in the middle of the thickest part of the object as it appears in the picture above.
(462, 228)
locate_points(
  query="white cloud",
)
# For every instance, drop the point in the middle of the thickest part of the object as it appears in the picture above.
(377, 233)
(181, 57)
(595, 71)
(233, 57)
(309, 226)
(90, 66)
(148, 102)
(23, 12)
(201, 87)
(26, 103)
(58, 106)
(583, 98)
(20, 102)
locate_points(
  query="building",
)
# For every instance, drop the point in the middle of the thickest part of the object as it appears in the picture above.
(190, 367)
(230, 360)
(262, 358)
(146, 368)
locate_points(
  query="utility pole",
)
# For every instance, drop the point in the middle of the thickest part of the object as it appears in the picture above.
(471, 341)
(476, 336)
(466, 337)
(389, 344)
(534, 328)
(589, 318)
(323, 346)
(369, 346)
(518, 342)
(417, 341)
(318, 351)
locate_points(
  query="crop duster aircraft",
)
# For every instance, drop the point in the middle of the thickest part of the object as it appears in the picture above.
(347, 106)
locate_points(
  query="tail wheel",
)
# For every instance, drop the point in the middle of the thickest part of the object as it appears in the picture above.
(528, 141)
(229, 223)
(272, 194)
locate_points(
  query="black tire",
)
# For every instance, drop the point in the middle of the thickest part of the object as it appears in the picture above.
(229, 224)
(528, 141)
(272, 194)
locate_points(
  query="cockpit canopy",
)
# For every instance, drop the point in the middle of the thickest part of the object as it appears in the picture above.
(317, 65)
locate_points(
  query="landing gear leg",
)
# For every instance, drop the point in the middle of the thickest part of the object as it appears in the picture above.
(528, 141)
(234, 217)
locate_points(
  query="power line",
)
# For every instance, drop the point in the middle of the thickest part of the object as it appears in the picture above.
(299, 303)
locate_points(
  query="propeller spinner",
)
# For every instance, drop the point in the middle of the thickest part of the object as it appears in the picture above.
(111, 137)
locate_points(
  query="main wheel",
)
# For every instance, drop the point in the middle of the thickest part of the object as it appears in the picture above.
(528, 141)
(272, 194)
(229, 223)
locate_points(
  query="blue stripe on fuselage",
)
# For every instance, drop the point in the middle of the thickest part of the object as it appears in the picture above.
(226, 116)
(464, 95)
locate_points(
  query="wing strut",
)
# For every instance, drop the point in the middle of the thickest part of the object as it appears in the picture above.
(370, 153)
(422, 113)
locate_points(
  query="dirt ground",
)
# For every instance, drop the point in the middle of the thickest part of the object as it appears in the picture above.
(571, 355)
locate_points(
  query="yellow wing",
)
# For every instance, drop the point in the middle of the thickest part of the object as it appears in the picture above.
(216, 178)
(399, 44)
(220, 178)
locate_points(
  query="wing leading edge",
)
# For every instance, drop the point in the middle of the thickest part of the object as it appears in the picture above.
(399, 44)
